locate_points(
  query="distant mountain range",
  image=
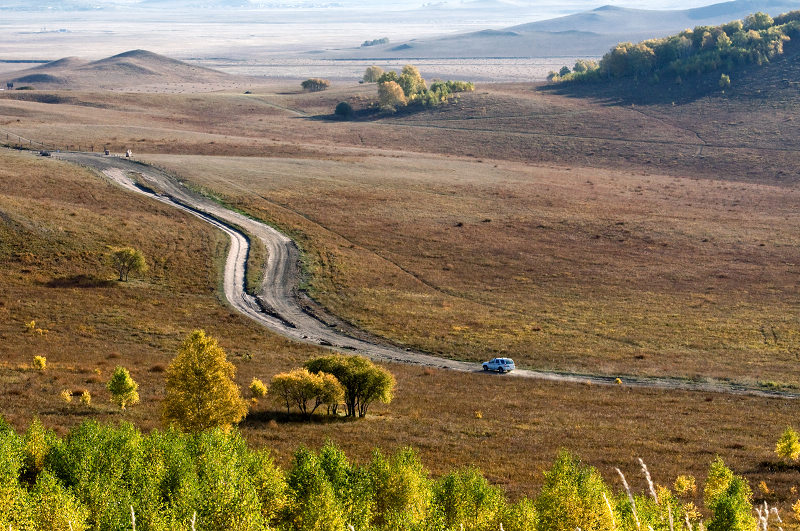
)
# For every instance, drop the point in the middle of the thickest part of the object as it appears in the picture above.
(586, 34)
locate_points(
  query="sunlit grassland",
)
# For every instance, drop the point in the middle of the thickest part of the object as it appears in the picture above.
(565, 269)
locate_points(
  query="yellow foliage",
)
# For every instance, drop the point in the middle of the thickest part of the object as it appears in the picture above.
(685, 486)
(258, 389)
(39, 362)
(796, 510)
(86, 398)
(66, 395)
(201, 392)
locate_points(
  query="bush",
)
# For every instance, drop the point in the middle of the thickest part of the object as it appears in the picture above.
(86, 398)
(201, 392)
(39, 362)
(122, 388)
(788, 447)
(344, 110)
(465, 497)
(401, 488)
(258, 389)
(315, 84)
(391, 96)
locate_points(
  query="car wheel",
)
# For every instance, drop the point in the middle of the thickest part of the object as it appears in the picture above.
(500, 370)
(485, 367)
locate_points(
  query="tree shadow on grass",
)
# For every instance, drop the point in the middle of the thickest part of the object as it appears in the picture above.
(258, 419)
(80, 281)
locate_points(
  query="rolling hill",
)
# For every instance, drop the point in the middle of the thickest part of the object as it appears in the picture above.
(589, 33)
(128, 69)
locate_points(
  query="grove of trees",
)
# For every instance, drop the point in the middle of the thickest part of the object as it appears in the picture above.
(756, 40)
(315, 84)
(409, 88)
(102, 476)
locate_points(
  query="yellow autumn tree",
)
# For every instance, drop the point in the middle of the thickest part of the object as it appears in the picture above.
(201, 393)
(391, 95)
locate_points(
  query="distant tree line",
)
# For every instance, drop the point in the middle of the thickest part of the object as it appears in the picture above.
(375, 42)
(756, 40)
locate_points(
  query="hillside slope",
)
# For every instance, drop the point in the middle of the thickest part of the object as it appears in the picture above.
(588, 33)
(128, 69)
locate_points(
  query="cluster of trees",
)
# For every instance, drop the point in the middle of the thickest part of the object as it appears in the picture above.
(756, 40)
(408, 88)
(315, 84)
(375, 42)
(331, 381)
(108, 477)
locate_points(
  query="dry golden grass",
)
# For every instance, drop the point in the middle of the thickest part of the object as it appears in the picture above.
(580, 268)
(564, 269)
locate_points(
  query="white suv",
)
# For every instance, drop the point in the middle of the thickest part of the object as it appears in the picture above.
(500, 365)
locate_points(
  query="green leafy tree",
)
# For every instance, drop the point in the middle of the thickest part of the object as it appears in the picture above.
(122, 388)
(201, 392)
(466, 498)
(363, 381)
(573, 496)
(314, 505)
(758, 21)
(55, 508)
(257, 388)
(788, 447)
(372, 74)
(402, 490)
(564, 71)
(733, 509)
(315, 84)
(127, 260)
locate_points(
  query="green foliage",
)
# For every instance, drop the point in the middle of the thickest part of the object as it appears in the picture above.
(788, 447)
(314, 503)
(363, 381)
(201, 392)
(54, 508)
(315, 84)
(127, 260)
(719, 477)
(733, 509)
(122, 388)
(724, 81)
(692, 52)
(572, 496)
(466, 497)
(401, 487)
(257, 388)
(343, 110)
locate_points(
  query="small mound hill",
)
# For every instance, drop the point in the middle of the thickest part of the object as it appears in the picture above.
(125, 70)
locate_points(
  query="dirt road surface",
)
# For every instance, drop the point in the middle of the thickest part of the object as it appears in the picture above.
(277, 304)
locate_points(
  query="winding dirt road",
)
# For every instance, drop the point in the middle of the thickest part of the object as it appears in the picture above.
(277, 306)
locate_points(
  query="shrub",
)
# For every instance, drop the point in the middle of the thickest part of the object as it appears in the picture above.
(39, 362)
(201, 392)
(66, 396)
(86, 398)
(258, 389)
(55, 508)
(343, 110)
(127, 260)
(724, 81)
(315, 84)
(788, 447)
(363, 381)
(122, 388)
(314, 506)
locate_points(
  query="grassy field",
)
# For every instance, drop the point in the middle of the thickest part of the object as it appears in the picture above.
(570, 234)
